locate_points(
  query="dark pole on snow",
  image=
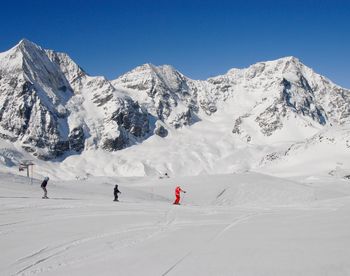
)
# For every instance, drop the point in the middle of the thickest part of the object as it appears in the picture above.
(28, 165)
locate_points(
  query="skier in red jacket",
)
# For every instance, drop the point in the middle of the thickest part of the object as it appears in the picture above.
(178, 190)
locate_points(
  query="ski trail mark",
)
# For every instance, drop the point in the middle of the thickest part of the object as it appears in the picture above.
(232, 224)
(39, 261)
(176, 264)
(75, 243)
(220, 194)
(12, 223)
(31, 255)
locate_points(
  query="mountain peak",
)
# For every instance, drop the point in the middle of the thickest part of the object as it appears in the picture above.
(27, 44)
(25, 41)
(149, 70)
(289, 58)
(273, 67)
(288, 61)
(152, 67)
(12, 59)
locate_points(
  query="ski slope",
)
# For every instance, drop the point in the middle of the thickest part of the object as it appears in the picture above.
(235, 224)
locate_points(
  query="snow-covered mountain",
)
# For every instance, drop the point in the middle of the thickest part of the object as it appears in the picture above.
(50, 107)
(285, 92)
(165, 92)
(266, 96)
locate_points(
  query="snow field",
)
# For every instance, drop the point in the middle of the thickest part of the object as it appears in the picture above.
(238, 224)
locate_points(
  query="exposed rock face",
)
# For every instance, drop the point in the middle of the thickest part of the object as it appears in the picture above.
(50, 106)
(281, 90)
(164, 92)
(277, 91)
(76, 139)
(160, 130)
(32, 92)
(271, 119)
(115, 143)
(131, 123)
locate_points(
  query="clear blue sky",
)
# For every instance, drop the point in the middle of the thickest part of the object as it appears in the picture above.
(200, 38)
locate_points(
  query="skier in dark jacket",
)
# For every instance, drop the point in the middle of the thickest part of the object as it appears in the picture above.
(116, 192)
(43, 186)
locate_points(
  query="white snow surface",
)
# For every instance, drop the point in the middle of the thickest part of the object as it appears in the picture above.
(235, 224)
(267, 117)
(266, 177)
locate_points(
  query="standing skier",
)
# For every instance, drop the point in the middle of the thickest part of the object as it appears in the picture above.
(178, 190)
(116, 192)
(43, 186)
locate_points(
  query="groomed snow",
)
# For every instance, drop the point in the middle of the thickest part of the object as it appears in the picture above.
(237, 224)
(266, 187)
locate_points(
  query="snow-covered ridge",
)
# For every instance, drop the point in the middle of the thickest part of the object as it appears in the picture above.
(50, 107)
(284, 87)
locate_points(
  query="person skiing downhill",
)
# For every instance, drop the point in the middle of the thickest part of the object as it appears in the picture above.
(116, 192)
(178, 190)
(43, 186)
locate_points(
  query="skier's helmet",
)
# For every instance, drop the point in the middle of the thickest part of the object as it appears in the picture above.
(46, 178)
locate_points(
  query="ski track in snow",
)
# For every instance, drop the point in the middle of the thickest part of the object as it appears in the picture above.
(167, 221)
(221, 193)
(67, 246)
(54, 237)
(12, 223)
(234, 223)
(160, 227)
(176, 264)
(31, 255)
(37, 262)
